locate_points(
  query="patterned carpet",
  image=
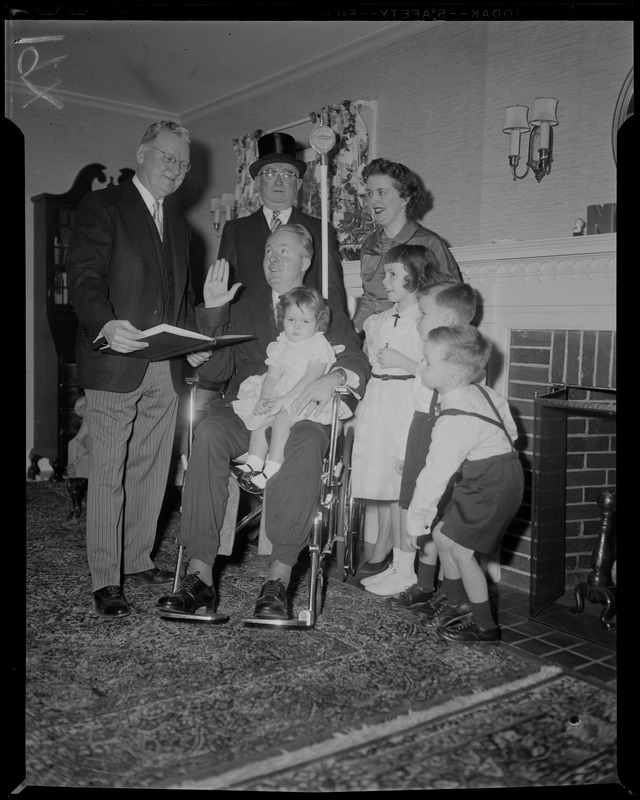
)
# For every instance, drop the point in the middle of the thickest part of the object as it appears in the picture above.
(365, 700)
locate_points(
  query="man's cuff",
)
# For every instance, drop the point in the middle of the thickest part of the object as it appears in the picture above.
(208, 320)
(349, 378)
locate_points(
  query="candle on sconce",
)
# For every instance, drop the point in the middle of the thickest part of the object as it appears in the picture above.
(228, 201)
(216, 202)
(544, 135)
(544, 115)
(514, 143)
(515, 123)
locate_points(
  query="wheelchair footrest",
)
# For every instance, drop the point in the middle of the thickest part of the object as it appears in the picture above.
(303, 620)
(199, 615)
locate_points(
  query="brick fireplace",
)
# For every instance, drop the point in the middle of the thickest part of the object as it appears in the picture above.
(549, 308)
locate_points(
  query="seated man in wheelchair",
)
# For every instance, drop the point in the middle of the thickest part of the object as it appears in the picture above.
(292, 494)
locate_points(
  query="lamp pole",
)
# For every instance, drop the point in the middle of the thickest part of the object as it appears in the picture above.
(322, 139)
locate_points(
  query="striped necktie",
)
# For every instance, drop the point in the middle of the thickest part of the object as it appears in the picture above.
(157, 218)
(275, 221)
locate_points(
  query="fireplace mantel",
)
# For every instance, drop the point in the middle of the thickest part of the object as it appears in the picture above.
(583, 247)
(549, 284)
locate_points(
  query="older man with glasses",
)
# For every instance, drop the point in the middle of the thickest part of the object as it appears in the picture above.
(128, 268)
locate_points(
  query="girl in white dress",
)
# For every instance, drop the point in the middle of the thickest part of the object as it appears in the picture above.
(384, 415)
(300, 355)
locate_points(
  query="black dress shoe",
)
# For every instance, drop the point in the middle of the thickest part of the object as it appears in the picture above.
(446, 615)
(154, 576)
(373, 567)
(413, 596)
(469, 632)
(433, 605)
(110, 602)
(272, 601)
(190, 595)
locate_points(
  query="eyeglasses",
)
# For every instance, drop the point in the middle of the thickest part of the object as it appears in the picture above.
(287, 175)
(168, 158)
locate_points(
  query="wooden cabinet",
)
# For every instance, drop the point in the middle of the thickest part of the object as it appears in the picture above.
(55, 323)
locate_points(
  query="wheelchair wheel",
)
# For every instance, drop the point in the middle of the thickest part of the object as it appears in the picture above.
(355, 532)
(350, 518)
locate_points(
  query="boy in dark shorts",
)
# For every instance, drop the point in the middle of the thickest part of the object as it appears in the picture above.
(473, 434)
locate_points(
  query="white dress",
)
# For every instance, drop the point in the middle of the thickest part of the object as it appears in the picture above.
(292, 358)
(384, 414)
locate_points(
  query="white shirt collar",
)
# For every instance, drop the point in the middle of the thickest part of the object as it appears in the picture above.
(148, 198)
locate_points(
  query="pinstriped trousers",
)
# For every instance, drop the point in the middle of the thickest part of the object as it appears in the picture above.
(131, 443)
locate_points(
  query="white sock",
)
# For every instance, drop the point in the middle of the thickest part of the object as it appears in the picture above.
(405, 562)
(254, 462)
(271, 467)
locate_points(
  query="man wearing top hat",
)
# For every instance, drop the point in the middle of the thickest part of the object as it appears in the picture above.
(278, 175)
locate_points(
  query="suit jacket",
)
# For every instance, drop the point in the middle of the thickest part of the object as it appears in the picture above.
(252, 313)
(243, 242)
(116, 270)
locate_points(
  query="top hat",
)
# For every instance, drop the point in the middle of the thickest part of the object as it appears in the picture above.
(277, 148)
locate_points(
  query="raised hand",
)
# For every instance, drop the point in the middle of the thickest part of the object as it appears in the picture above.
(215, 292)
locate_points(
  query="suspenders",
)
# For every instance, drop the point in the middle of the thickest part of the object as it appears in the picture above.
(453, 412)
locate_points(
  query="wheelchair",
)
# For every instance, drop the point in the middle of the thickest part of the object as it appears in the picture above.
(335, 534)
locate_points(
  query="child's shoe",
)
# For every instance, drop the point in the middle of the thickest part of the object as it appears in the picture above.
(394, 583)
(241, 470)
(432, 605)
(246, 481)
(371, 579)
(469, 632)
(413, 596)
(258, 482)
(445, 615)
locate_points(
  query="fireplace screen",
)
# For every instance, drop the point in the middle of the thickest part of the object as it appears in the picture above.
(549, 482)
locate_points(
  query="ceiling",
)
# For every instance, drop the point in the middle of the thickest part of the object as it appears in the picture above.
(178, 66)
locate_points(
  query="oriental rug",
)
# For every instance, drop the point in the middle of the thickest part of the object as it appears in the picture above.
(364, 700)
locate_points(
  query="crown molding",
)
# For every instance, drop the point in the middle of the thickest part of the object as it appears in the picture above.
(391, 34)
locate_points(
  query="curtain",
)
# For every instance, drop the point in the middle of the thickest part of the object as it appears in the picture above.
(348, 213)
(246, 150)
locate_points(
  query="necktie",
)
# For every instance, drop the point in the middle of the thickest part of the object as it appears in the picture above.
(434, 408)
(157, 218)
(275, 221)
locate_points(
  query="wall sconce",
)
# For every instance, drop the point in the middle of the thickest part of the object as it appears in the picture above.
(540, 130)
(222, 205)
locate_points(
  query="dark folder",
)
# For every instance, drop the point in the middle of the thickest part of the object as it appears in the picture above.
(167, 341)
